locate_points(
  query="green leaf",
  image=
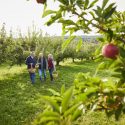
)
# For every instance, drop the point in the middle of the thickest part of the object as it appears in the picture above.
(64, 30)
(71, 110)
(47, 12)
(67, 42)
(49, 113)
(66, 22)
(90, 91)
(98, 50)
(51, 102)
(65, 2)
(54, 18)
(58, 98)
(108, 10)
(93, 3)
(71, 1)
(76, 114)
(66, 99)
(114, 64)
(79, 2)
(46, 116)
(98, 11)
(86, 4)
(55, 93)
(81, 97)
(122, 52)
(92, 13)
(45, 7)
(110, 35)
(72, 29)
(102, 66)
(63, 89)
(80, 42)
(104, 3)
(96, 81)
(109, 13)
(117, 75)
(46, 119)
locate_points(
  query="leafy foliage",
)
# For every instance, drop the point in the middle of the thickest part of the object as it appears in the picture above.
(62, 109)
(15, 50)
(109, 22)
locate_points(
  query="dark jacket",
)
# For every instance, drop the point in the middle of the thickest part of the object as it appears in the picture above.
(42, 63)
(30, 60)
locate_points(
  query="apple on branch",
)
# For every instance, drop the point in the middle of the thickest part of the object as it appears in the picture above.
(110, 51)
(41, 1)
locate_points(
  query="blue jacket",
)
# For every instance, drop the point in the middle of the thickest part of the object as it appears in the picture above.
(30, 60)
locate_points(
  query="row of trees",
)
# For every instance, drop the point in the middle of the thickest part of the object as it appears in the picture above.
(15, 50)
(89, 91)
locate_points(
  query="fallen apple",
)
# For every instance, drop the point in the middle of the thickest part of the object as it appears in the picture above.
(110, 51)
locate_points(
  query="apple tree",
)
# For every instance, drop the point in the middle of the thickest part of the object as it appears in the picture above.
(96, 93)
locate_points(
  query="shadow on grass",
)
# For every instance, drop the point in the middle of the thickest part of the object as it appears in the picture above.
(20, 101)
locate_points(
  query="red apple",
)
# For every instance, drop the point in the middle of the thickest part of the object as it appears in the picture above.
(110, 51)
(41, 1)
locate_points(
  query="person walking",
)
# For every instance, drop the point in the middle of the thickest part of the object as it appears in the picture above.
(51, 66)
(42, 62)
(31, 63)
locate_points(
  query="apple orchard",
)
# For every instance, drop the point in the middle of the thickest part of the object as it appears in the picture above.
(90, 92)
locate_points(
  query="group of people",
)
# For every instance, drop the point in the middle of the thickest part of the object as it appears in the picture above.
(42, 63)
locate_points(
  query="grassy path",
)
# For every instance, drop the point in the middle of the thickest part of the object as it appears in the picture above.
(20, 101)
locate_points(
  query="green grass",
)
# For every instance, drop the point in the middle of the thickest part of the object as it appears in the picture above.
(20, 101)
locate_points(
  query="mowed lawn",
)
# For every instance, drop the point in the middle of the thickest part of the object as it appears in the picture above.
(20, 101)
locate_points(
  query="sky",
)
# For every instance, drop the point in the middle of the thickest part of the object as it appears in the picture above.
(21, 14)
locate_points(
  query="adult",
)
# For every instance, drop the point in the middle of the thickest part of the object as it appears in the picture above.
(51, 66)
(31, 63)
(42, 62)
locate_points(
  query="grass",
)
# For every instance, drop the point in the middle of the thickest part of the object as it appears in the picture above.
(20, 101)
